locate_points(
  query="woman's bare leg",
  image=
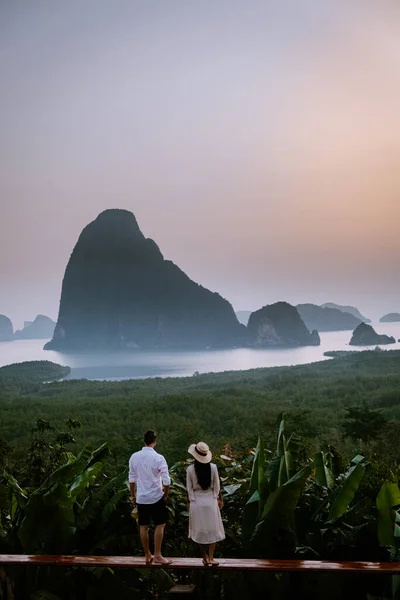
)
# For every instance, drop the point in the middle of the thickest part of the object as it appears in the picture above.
(204, 553)
(211, 550)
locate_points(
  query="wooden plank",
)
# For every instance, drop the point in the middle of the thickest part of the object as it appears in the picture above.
(183, 588)
(225, 564)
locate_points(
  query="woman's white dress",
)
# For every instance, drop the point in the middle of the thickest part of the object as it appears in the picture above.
(205, 523)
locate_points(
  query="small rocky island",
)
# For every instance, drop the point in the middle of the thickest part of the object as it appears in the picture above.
(390, 318)
(365, 335)
(6, 329)
(279, 325)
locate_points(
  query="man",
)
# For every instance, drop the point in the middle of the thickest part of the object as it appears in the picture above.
(149, 483)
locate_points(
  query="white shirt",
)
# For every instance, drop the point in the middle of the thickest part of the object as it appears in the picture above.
(149, 470)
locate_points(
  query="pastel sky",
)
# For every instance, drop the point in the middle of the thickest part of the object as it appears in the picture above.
(257, 142)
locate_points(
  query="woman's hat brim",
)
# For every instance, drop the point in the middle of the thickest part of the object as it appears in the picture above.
(203, 459)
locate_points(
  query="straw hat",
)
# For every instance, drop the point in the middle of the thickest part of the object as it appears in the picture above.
(201, 452)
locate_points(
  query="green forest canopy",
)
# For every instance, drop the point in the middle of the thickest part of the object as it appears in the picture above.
(231, 407)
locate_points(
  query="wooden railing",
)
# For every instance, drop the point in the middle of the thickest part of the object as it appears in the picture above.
(226, 564)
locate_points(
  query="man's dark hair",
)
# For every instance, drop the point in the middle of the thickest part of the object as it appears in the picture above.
(149, 437)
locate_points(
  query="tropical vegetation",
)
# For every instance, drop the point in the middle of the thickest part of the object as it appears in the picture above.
(319, 482)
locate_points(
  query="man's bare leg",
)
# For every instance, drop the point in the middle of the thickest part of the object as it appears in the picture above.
(144, 538)
(158, 538)
(211, 560)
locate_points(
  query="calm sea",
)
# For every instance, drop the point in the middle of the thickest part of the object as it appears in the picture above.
(138, 364)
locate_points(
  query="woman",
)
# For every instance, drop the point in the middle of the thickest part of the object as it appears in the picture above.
(205, 502)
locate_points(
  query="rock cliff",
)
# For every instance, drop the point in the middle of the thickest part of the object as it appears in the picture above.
(119, 292)
(365, 335)
(42, 328)
(279, 324)
(6, 329)
(326, 319)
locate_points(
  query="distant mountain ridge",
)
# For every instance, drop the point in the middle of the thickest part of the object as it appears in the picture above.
(390, 318)
(42, 328)
(326, 319)
(119, 292)
(347, 309)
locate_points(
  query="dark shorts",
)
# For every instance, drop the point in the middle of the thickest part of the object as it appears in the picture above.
(156, 512)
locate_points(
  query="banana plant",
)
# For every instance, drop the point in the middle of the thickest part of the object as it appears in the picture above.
(77, 509)
(275, 488)
(347, 488)
(388, 507)
(323, 473)
(328, 519)
(53, 504)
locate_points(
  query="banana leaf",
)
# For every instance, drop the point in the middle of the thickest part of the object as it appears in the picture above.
(250, 516)
(49, 523)
(282, 502)
(82, 481)
(229, 490)
(4, 496)
(358, 511)
(395, 587)
(112, 504)
(68, 472)
(386, 502)
(349, 486)
(64, 474)
(323, 475)
(258, 479)
(281, 434)
(281, 467)
(272, 472)
(278, 517)
(100, 454)
(20, 495)
(94, 505)
(257, 471)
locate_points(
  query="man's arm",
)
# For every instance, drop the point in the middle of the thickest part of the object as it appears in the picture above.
(132, 487)
(165, 478)
(166, 492)
(132, 481)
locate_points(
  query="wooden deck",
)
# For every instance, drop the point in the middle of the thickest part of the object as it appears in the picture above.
(225, 564)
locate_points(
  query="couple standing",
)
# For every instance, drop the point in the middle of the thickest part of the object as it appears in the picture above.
(149, 483)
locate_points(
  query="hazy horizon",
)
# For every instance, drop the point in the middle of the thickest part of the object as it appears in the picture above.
(257, 143)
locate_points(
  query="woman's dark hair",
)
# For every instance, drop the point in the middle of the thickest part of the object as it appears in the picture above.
(203, 473)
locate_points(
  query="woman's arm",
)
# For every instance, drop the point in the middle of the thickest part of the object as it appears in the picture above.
(189, 486)
(217, 487)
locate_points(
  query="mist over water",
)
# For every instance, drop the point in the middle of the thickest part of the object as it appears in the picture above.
(141, 364)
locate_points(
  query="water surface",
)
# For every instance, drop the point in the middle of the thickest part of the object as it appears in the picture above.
(138, 363)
